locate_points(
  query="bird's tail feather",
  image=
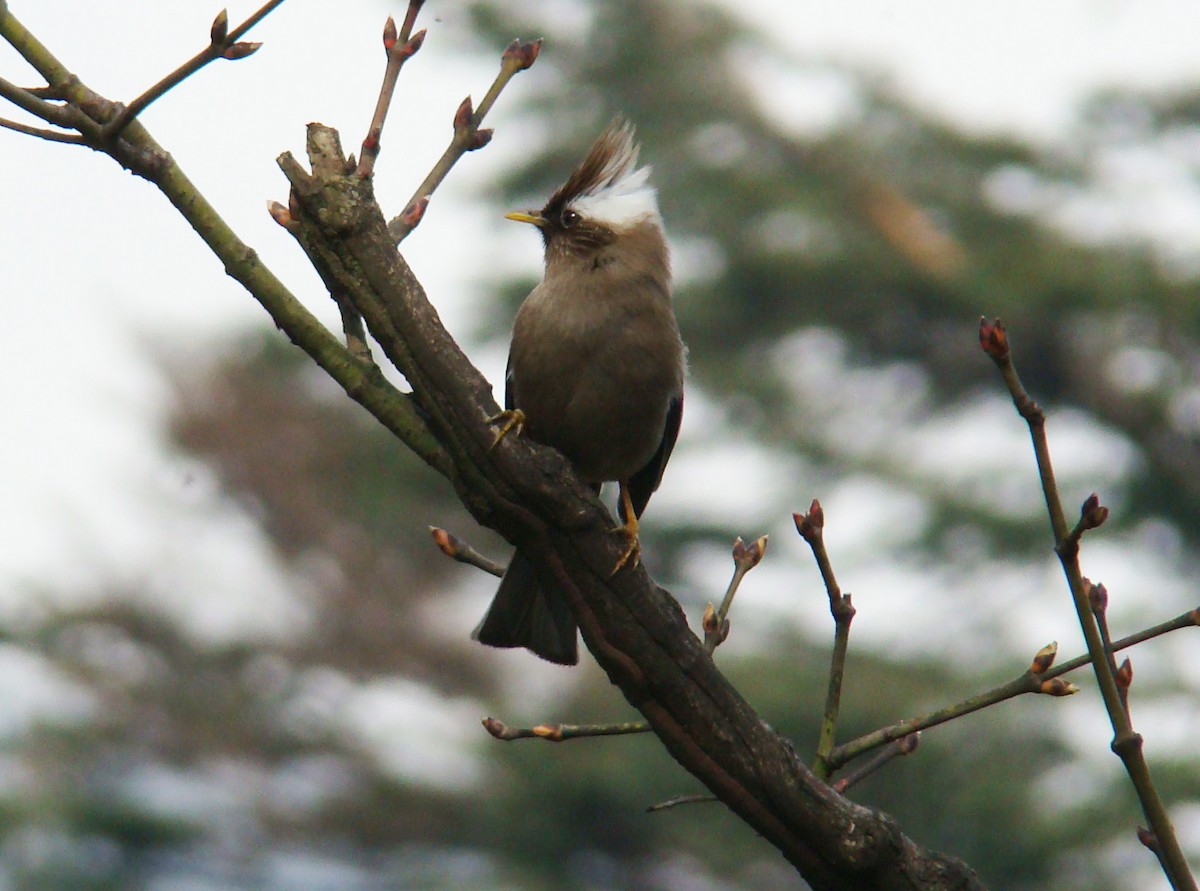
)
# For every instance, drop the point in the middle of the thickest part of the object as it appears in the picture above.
(528, 613)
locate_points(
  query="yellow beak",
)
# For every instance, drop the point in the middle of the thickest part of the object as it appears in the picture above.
(522, 217)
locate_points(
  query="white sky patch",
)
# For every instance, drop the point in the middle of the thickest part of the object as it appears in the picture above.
(33, 690)
(738, 483)
(804, 99)
(414, 733)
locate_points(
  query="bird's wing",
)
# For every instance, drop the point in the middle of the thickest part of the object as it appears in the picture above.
(643, 483)
(508, 385)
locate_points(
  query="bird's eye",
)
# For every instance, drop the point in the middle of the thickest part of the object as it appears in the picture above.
(569, 218)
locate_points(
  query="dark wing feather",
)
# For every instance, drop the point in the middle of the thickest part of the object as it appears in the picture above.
(643, 483)
(508, 385)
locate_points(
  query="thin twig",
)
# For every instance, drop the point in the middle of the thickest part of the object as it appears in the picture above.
(906, 745)
(50, 112)
(1126, 743)
(400, 47)
(678, 800)
(457, 549)
(467, 136)
(222, 45)
(561, 732)
(1025, 683)
(48, 135)
(811, 526)
(716, 620)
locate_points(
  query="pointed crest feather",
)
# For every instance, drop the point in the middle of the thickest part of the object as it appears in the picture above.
(608, 186)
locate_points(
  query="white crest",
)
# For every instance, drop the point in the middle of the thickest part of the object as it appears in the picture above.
(608, 186)
(624, 201)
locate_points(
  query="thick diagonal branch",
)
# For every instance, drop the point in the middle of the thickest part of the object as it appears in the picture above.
(635, 630)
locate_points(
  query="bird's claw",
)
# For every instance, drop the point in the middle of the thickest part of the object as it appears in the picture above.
(510, 419)
(633, 548)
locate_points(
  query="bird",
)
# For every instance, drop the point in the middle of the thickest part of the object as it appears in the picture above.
(595, 370)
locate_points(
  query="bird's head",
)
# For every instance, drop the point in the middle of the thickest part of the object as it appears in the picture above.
(606, 202)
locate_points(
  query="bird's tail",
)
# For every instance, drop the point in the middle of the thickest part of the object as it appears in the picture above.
(526, 612)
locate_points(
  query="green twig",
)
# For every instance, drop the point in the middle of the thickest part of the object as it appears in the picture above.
(811, 526)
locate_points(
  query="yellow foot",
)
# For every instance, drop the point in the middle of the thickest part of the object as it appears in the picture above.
(633, 548)
(510, 419)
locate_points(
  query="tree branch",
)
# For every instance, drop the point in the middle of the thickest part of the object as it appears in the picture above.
(635, 630)
(1126, 743)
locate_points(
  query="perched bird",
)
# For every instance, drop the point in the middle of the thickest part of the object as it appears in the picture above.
(595, 369)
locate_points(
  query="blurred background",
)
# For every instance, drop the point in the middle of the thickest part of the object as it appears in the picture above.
(230, 657)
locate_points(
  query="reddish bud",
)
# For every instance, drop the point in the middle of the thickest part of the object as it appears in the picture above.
(906, 745)
(280, 214)
(1058, 687)
(1097, 596)
(810, 524)
(1044, 658)
(758, 550)
(993, 338)
(1124, 675)
(747, 556)
(414, 213)
(220, 28)
(446, 542)
(479, 139)
(240, 50)
(709, 622)
(390, 36)
(496, 728)
(463, 116)
(523, 55)
(412, 45)
(1149, 839)
(1092, 514)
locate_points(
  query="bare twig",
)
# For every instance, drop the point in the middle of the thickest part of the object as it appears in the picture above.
(28, 100)
(716, 620)
(679, 800)
(1038, 679)
(400, 47)
(467, 135)
(457, 549)
(223, 44)
(40, 133)
(811, 526)
(905, 745)
(561, 732)
(1126, 743)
